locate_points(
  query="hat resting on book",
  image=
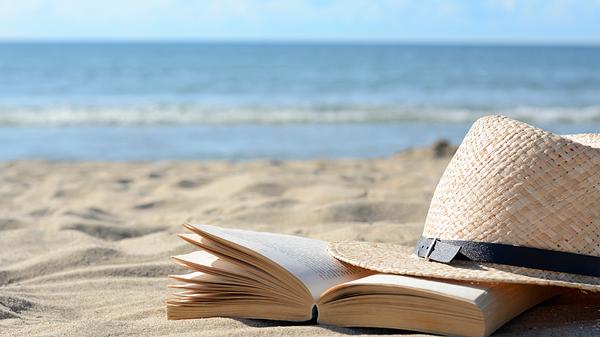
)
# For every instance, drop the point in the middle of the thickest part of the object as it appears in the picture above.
(516, 204)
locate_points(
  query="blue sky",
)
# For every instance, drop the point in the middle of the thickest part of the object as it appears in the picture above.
(549, 21)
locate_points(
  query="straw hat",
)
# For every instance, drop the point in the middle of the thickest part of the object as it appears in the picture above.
(516, 204)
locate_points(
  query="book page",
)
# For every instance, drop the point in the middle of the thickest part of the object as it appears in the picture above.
(462, 290)
(306, 259)
(203, 258)
(428, 305)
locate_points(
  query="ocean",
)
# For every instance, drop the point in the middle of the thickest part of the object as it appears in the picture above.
(241, 101)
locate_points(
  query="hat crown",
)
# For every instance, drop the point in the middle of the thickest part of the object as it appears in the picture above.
(516, 184)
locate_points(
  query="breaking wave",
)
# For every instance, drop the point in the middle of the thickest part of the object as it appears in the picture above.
(148, 115)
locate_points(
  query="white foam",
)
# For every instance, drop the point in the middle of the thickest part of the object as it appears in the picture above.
(71, 115)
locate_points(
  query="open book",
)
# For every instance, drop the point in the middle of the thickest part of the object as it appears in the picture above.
(247, 274)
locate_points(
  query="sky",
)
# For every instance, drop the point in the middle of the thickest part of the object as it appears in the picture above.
(486, 21)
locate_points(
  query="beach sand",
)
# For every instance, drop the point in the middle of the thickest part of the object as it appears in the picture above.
(85, 246)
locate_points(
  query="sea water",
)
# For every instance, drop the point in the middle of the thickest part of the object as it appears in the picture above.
(238, 101)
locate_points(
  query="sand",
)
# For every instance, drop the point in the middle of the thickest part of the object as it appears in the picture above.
(85, 246)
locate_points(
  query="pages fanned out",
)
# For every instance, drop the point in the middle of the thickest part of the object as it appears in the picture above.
(306, 259)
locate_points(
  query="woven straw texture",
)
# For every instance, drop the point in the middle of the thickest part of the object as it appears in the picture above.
(395, 259)
(508, 183)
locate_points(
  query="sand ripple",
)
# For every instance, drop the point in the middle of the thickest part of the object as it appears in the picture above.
(84, 247)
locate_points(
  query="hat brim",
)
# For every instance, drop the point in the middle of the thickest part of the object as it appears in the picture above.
(397, 259)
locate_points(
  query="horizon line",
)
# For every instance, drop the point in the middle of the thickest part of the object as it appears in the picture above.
(300, 41)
